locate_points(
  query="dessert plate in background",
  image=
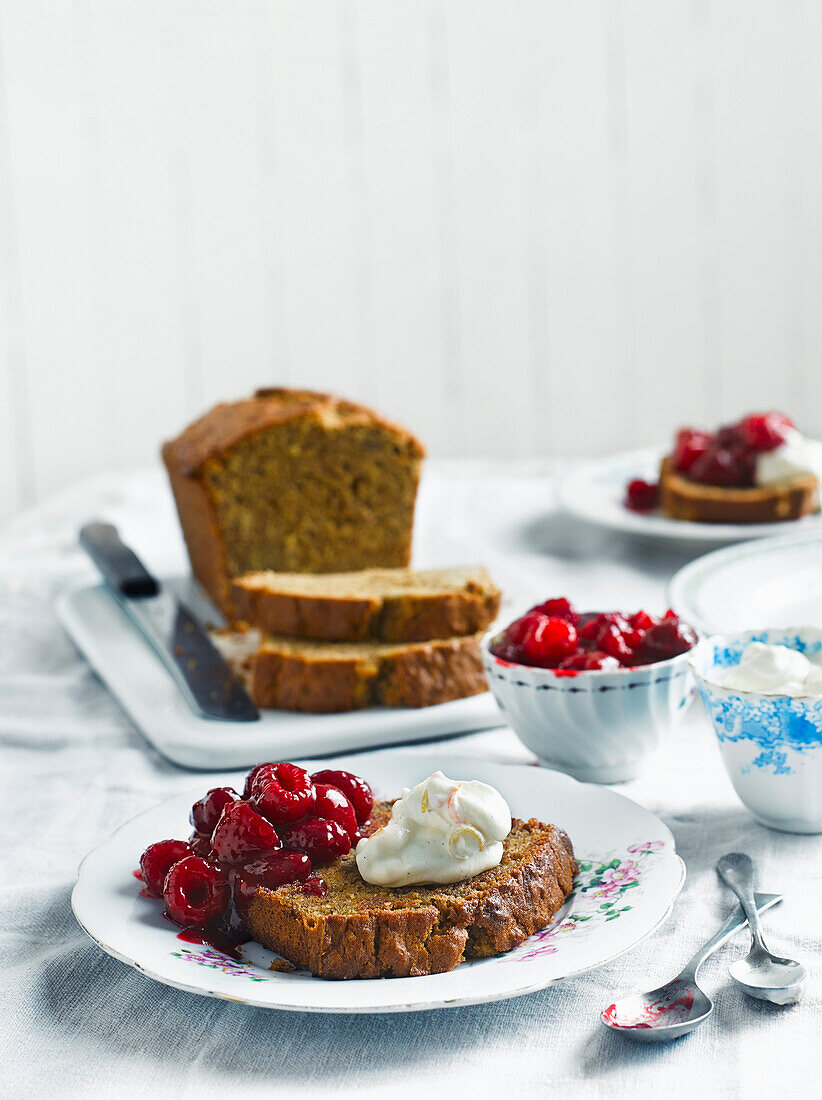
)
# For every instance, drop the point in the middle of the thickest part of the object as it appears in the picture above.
(594, 491)
(775, 582)
(629, 877)
(139, 681)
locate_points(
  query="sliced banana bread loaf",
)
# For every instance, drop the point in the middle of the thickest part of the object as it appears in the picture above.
(364, 931)
(293, 481)
(391, 605)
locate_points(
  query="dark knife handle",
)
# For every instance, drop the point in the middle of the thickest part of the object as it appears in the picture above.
(122, 569)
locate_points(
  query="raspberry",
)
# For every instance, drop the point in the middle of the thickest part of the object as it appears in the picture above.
(206, 813)
(158, 859)
(690, 444)
(611, 641)
(282, 792)
(200, 844)
(240, 832)
(332, 805)
(765, 431)
(642, 496)
(518, 630)
(195, 892)
(549, 641)
(559, 608)
(717, 466)
(663, 641)
(355, 789)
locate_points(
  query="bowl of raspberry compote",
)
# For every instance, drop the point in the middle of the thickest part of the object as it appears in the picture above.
(592, 693)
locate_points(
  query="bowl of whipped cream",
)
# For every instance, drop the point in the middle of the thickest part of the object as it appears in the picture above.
(763, 692)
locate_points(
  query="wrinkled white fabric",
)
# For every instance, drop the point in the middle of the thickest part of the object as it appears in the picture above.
(77, 1023)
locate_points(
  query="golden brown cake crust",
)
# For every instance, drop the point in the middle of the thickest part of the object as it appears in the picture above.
(365, 931)
(681, 498)
(378, 609)
(228, 423)
(327, 677)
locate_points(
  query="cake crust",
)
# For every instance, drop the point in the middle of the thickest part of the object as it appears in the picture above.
(390, 605)
(364, 931)
(681, 498)
(332, 677)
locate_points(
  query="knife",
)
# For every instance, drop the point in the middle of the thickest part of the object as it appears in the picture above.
(207, 682)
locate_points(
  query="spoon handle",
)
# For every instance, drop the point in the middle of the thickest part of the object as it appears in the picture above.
(736, 920)
(737, 871)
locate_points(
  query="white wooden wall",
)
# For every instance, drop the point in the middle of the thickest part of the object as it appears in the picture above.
(523, 226)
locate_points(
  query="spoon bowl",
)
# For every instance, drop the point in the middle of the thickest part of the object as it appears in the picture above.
(780, 981)
(660, 1014)
(674, 1009)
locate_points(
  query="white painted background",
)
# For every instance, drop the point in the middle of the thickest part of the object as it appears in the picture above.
(523, 227)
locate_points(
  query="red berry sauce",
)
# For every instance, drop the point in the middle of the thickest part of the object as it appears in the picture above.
(600, 640)
(286, 823)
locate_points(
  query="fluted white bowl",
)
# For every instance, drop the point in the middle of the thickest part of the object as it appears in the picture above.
(599, 726)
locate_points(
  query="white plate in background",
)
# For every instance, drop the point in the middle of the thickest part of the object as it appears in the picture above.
(139, 681)
(775, 582)
(629, 878)
(594, 491)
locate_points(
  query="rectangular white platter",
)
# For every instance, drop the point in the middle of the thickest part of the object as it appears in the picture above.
(138, 680)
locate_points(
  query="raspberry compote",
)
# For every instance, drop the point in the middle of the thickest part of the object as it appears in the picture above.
(554, 635)
(724, 459)
(286, 823)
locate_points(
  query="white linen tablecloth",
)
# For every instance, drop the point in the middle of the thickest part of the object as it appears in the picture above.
(78, 1023)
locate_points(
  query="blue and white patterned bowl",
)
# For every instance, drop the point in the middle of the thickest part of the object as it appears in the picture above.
(599, 726)
(771, 745)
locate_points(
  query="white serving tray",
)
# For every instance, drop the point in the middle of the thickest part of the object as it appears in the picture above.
(138, 680)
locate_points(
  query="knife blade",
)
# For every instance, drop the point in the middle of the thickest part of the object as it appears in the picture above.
(204, 677)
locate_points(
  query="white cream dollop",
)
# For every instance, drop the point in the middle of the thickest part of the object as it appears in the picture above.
(771, 670)
(797, 455)
(440, 831)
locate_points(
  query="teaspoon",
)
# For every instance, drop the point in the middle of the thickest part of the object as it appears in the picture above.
(760, 974)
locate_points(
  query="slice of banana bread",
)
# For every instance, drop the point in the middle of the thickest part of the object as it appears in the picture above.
(326, 677)
(294, 481)
(390, 605)
(363, 931)
(681, 498)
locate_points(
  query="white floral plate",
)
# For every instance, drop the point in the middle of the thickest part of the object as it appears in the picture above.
(594, 491)
(629, 878)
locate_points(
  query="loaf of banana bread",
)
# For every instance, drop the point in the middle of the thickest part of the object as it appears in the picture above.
(293, 481)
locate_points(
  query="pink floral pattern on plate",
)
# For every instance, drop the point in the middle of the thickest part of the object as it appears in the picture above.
(599, 895)
(216, 960)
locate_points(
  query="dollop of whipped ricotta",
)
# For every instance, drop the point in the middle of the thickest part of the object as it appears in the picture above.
(797, 455)
(440, 831)
(771, 670)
